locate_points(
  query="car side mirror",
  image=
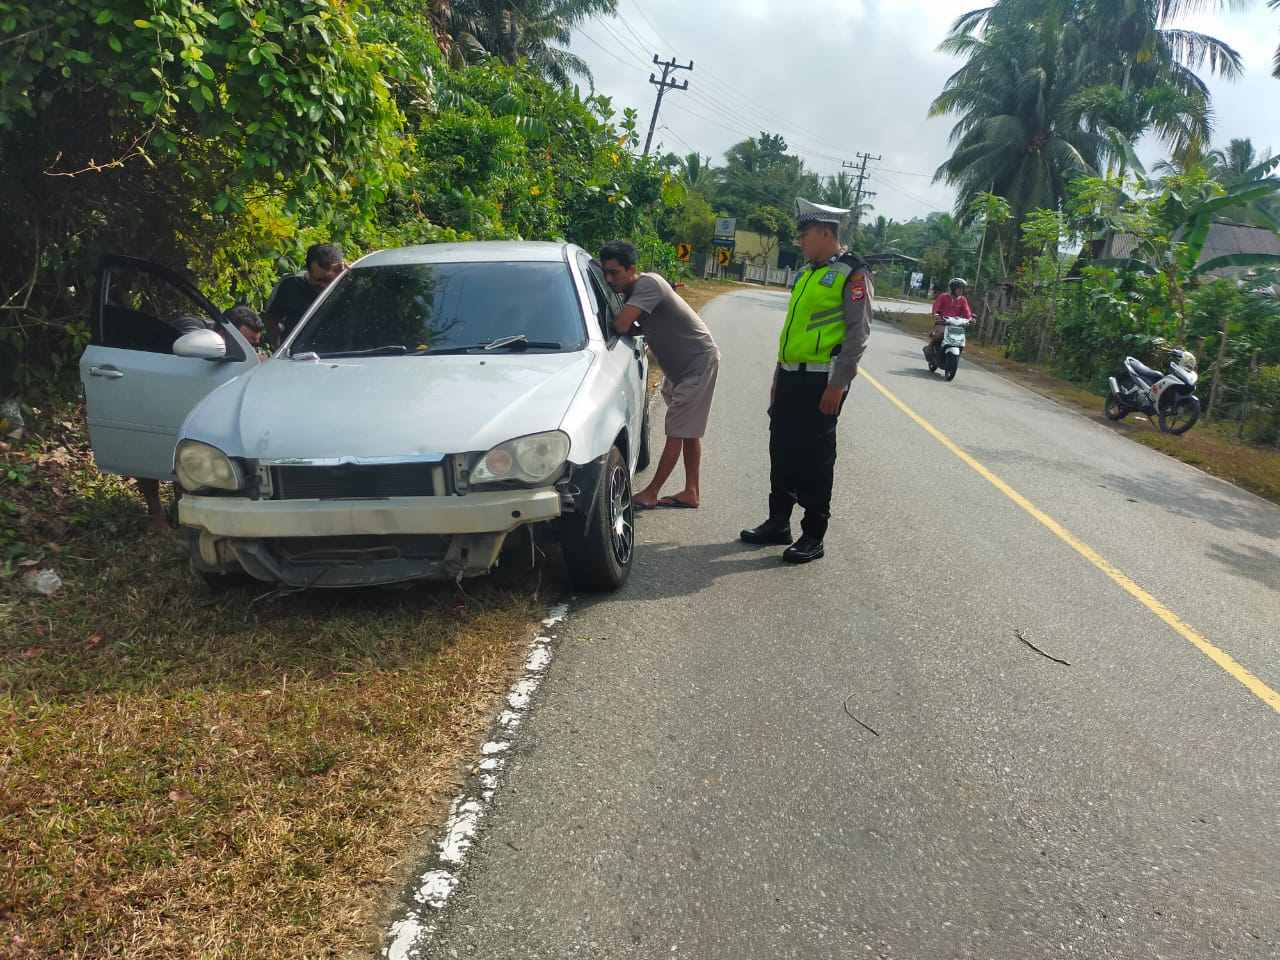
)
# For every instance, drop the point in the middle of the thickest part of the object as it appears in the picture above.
(201, 344)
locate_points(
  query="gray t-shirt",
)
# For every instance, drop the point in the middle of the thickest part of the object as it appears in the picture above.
(675, 333)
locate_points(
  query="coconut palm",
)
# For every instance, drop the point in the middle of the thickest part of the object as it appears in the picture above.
(1054, 88)
(533, 30)
(1019, 133)
(1275, 5)
(696, 173)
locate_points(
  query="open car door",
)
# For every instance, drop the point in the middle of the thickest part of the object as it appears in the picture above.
(137, 390)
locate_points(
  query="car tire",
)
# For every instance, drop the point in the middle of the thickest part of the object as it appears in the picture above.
(645, 453)
(600, 548)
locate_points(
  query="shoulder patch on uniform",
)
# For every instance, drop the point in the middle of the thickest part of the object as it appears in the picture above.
(857, 287)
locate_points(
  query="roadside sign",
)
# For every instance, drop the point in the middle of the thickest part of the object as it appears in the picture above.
(726, 227)
(722, 256)
(683, 251)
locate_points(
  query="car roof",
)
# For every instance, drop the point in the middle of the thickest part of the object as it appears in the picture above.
(485, 251)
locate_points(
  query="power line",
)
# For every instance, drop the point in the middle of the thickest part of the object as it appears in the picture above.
(727, 91)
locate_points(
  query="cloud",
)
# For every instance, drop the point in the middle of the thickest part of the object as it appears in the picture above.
(836, 77)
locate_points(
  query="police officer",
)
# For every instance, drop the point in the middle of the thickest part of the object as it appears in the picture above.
(824, 336)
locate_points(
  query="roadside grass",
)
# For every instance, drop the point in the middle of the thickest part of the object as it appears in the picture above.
(246, 774)
(1212, 447)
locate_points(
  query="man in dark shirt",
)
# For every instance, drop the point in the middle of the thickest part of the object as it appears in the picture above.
(294, 294)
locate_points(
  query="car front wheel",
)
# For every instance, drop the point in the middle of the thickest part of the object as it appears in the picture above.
(599, 549)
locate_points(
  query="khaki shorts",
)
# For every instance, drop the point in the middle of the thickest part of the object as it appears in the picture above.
(689, 402)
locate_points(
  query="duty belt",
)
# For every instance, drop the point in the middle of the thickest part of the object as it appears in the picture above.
(805, 367)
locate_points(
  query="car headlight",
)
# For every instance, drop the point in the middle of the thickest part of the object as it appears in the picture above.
(202, 467)
(533, 459)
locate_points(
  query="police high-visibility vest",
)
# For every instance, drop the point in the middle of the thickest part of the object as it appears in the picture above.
(815, 316)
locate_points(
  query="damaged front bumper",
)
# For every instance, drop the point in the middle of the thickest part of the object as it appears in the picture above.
(349, 543)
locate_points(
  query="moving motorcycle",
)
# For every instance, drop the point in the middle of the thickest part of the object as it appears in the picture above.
(947, 354)
(1170, 398)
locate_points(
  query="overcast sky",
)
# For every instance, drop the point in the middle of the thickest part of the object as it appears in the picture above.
(836, 77)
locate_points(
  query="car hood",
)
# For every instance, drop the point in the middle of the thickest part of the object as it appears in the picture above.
(387, 406)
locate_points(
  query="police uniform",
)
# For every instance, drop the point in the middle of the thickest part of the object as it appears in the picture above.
(825, 334)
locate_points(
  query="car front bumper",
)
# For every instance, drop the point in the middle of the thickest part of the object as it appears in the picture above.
(345, 543)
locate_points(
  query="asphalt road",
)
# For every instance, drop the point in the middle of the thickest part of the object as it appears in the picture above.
(692, 782)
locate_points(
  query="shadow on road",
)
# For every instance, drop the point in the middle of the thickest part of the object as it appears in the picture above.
(1249, 562)
(666, 569)
(1220, 506)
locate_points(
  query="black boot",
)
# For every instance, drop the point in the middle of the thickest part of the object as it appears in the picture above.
(803, 550)
(770, 532)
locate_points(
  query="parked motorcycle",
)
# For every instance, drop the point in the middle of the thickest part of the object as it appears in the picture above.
(947, 354)
(1169, 398)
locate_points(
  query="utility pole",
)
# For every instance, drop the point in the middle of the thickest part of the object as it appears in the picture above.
(668, 67)
(862, 178)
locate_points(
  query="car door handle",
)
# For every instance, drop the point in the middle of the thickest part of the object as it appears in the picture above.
(111, 373)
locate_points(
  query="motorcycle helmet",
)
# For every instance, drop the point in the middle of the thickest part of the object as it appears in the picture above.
(957, 282)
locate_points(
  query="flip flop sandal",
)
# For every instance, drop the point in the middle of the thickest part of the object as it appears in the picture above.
(672, 503)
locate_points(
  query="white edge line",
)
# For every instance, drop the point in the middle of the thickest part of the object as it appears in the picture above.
(436, 883)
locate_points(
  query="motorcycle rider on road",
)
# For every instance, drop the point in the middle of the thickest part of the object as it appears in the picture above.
(953, 304)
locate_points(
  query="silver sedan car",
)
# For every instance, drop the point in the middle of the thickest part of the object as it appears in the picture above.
(434, 401)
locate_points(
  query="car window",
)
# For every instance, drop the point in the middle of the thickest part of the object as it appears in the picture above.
(608, 301)
(142, 310)
(433, 307)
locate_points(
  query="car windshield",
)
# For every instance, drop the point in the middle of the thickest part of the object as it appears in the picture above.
(427, 308)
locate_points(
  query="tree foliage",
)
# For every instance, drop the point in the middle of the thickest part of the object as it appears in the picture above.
(223, 136)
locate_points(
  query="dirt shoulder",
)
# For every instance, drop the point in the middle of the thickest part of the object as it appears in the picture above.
(241, 774)
(1212, 447)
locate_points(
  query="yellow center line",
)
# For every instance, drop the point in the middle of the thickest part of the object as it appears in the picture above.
(1219, 656)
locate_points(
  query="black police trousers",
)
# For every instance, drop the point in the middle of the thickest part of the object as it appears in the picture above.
(802, 451)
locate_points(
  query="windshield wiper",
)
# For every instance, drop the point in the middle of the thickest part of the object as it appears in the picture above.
(390, 350)
(521, 342)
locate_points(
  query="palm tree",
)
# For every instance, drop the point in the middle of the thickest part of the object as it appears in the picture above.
(1275, 5)
(1232, 165)
(1053, 88)
(1019, 133)
(531, 30)
(696, 173)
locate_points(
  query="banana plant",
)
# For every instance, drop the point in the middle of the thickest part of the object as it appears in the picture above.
(1178, 222)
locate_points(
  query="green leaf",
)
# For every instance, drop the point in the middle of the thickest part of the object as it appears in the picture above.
(205, 71)
(103, 17)
(114, 43)
(1238, 260)
(227, 20)
(1125, 263)
(142, 24)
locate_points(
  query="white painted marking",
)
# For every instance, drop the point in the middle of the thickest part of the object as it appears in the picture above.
(437, 885)
(459, 832)
(538, 660)
(518, 698)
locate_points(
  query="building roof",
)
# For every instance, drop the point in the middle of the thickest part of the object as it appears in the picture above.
(1225, 238)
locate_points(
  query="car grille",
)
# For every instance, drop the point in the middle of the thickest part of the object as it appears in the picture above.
(357, 481)
(357, 550)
